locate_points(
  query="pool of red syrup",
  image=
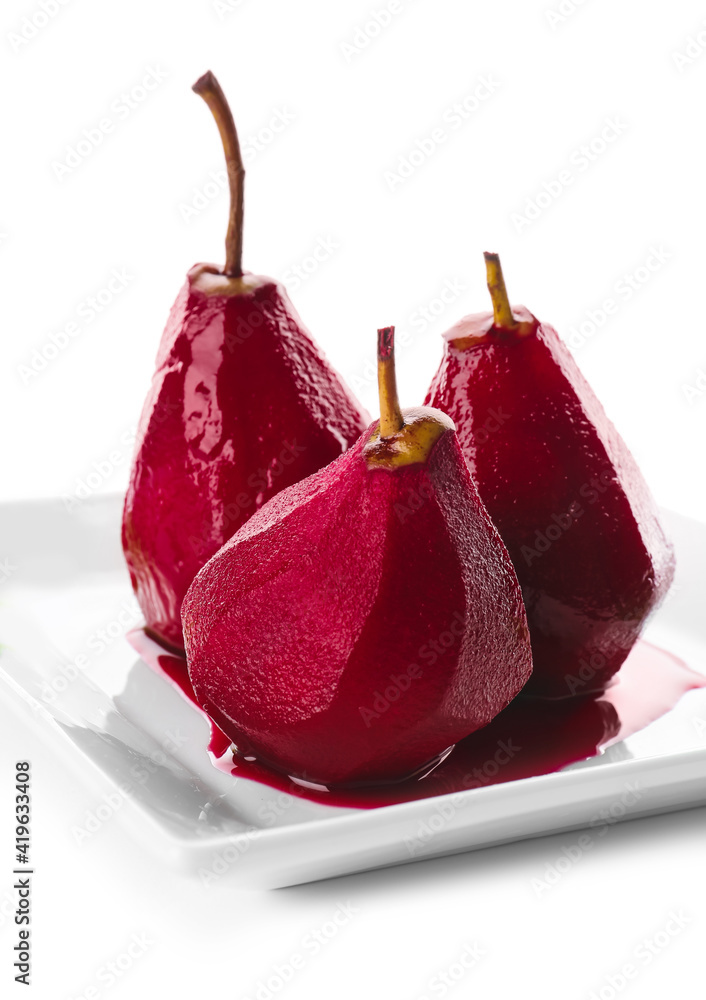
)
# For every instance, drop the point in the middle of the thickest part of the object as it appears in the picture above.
(530, 737)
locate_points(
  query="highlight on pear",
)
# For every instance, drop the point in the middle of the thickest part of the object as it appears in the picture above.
(327, 594)
(242, 404)
(561, 487)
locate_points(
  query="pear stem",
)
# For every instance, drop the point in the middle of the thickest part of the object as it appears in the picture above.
(391, 419)
(209, 89)
(502, 310)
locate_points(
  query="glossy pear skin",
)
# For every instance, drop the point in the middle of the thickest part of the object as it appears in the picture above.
(362, 622)
(242, 405)
(564, 492)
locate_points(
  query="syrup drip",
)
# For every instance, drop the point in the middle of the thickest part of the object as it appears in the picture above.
(530, 737)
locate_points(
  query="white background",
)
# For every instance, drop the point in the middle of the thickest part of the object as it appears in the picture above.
(353, 114)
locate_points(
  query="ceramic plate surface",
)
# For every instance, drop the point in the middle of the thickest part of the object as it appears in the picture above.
(66, 607)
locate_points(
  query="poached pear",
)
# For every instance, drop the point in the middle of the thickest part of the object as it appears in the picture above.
(365, 619)
(562, 488)
(242, 404)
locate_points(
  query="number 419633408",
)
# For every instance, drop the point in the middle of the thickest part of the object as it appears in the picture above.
(22, 801)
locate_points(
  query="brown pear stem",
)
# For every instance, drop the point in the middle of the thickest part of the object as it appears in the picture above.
(209, 88)
(391, 419)
(502, 310)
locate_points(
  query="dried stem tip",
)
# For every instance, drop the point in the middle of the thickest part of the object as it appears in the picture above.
(391, 419)
(209, 88)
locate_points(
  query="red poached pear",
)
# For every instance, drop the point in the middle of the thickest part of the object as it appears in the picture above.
(242, 405)
(562, 488)
(366, 619)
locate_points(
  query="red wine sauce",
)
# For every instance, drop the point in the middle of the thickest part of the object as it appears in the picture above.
(530, 737)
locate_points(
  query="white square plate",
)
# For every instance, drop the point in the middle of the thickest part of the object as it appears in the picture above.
(66, 608)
